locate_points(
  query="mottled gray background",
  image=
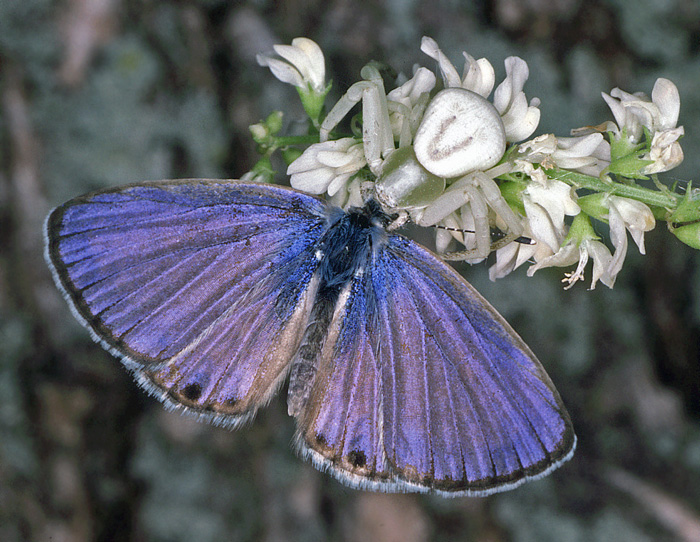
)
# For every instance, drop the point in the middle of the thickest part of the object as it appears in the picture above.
(97, 93)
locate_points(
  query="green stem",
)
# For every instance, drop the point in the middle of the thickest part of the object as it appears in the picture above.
(283, 141)
(666, 200)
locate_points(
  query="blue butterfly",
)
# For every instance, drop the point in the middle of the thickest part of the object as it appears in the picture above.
(401, 376)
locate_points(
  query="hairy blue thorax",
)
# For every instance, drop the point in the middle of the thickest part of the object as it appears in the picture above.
(347, 246)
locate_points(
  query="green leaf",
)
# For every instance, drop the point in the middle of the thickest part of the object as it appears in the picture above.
(581, 230)
(592, 205)
(629, 166)
(689, 234)
(688, 209)
(512, 192)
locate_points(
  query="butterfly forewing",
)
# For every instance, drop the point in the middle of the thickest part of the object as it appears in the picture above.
(202, 287)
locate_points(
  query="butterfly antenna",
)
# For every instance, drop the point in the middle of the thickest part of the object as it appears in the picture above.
(505, 239)
(522, 239)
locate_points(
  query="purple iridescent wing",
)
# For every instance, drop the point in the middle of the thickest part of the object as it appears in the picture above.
(201, 287)
(427, 388)
(341, 427)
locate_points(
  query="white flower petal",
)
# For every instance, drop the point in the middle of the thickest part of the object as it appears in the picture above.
(327, 166)
(519, 118)
(541, 225)
(539, 147)
(666, 97)
(665, 151)
(601, 263)
(337, 183)
(514, 254)
(636, 217)
(407, 103)
(315, 181)
(449, 73)
(282, 70)
(422, 81)
(506, 258)
(334, 159)
(571, 254)
(479, 75)
(617, 110)
(316, 61)
(556, 197)
(517, 73)
(565, 256)
(295, 56)
(634, 111)
(522, 126)
(588, 154)
(579, 146)
(618, 237)
(306, 162)
(517, 108)
(536, 174)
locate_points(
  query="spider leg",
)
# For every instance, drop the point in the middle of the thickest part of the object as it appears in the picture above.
(347, 101)
(376, 127)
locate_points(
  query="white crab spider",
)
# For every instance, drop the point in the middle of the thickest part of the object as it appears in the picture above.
(457, 135)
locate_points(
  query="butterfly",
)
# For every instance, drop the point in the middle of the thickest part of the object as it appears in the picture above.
(402, 378)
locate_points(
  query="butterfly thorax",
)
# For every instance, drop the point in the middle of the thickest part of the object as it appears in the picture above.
(343, 253)
(347, 246)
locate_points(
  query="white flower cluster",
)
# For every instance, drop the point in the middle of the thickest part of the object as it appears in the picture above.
(447, 156)
(635, 112)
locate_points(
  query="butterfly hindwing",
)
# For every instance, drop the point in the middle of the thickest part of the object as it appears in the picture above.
(341, 427)
(201, 287)
(464, 407)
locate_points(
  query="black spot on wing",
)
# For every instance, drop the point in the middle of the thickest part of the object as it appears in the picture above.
(192, 391)
(357, 458)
